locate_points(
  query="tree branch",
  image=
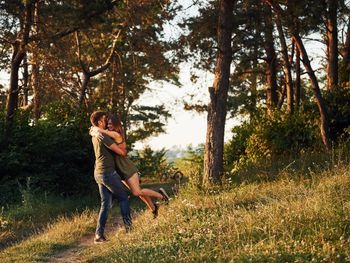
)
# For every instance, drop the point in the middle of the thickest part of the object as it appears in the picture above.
(70, 30)
(83, 67)
(107, 62)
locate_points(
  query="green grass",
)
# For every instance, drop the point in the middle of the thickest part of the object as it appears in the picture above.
(281, 221)
(44, 227)
(19, 222)
(287, 220)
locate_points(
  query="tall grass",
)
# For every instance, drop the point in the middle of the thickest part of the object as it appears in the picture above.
(57, 236)
(40, 230)
(291, 219)
(18, 222)
(281, 221)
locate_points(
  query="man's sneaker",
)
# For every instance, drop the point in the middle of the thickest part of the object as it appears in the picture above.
(128, 228)
(99, 239)
(155, 211)
(166, 197)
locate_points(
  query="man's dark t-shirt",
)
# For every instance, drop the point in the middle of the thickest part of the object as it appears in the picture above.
(104, 162)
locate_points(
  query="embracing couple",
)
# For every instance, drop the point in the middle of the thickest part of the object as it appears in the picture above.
(113, 169)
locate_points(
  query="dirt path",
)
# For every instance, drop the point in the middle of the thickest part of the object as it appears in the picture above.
(71, 255)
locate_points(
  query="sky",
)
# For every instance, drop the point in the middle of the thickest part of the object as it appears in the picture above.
(184, 128)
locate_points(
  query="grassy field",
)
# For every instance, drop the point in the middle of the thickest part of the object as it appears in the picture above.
(300, 220)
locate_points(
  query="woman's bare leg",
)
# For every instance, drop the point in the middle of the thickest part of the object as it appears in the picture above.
(147, 200)
(134, 184)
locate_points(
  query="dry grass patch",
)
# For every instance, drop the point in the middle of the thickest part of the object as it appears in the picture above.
(286, 220)
(65, 232)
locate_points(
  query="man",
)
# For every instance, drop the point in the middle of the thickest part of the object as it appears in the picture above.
(107, 178)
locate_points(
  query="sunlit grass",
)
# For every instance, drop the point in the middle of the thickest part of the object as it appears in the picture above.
(18, 222)
(63, 233)
(287, 220)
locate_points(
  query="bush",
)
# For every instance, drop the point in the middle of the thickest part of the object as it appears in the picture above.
(191, 164)
(149, 162)
(56, 153)
(265, 137)
(338, 102)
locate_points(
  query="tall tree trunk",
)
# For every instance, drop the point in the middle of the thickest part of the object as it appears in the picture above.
(271, 65)
(282, 97)
(25, 87)
(345, 65)
(286, 66)
(213, 159)
(332, 44)
(253, 84)
(35, 83)
(18, 54)
(12, 97)
(35, 61)
(294, 28)
(84, 87)
(297, 79)
(253, 77)
(324, 127)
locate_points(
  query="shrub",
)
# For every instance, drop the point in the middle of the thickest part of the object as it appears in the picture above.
(265, 137)
(56, 153)
(338, 102)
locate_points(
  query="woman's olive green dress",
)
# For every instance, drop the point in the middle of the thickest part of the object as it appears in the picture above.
(124, 166)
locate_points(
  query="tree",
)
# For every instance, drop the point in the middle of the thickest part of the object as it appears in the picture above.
(19, 42)
(286, 65)
(293, 26)
(23, 29)
(332, 44)
(297, 79)
(271, 61)
(345, 48)
(214, 146)
(35, 62)
(140, 58)
(87, 73)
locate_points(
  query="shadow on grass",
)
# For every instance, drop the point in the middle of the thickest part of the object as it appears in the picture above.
(24, 222)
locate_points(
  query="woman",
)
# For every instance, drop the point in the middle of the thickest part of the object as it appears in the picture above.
(127, 170)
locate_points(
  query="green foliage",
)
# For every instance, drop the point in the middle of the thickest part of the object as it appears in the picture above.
(56, 154)
(149, 162)
(192, 165)
(338, 102)
(266, 137)
(146, 121)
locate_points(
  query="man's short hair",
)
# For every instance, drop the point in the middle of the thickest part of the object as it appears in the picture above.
(96, 116)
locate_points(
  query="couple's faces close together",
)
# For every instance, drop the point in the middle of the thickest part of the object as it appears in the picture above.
(107, 123)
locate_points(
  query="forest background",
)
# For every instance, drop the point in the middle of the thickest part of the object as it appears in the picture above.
(66, 59)
(278, 182)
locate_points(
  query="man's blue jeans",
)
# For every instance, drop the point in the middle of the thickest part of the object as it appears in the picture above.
(108, 185)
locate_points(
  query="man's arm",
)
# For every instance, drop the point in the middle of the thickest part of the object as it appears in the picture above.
(113, 134)
(109, 143)
(118, 150)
